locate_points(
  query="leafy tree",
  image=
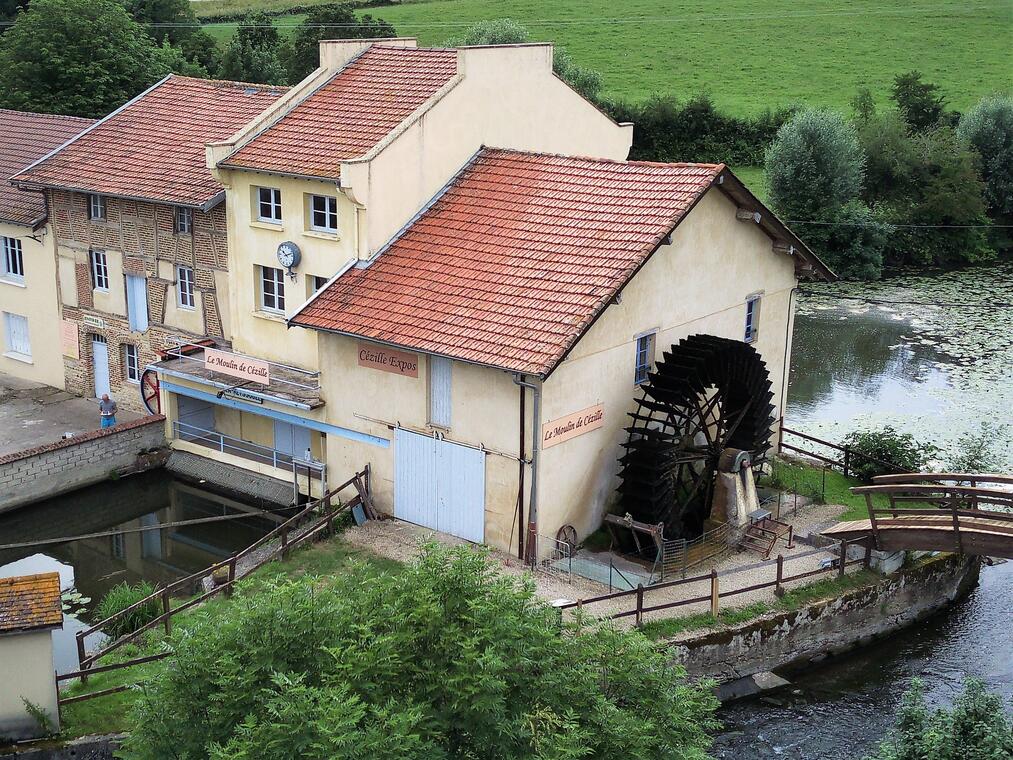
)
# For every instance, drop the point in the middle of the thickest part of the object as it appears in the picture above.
(851, 240)
(9, 10)
(445, 659)
(928, 180)
(890, 452)
(976, 727)
(201, 49)
(587, 82)
(252, 52)
(814, 164)
(919, 102)
(979, 452)
(159, 16)
(78, 57)
(988, 129)
(329, 22)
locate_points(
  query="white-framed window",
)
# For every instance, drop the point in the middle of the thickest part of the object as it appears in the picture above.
(13, 261)
(323, 213)
(99, 270)
(314, 283)
(16, 335)
(645, 357)
(184, 287)
(269, 205)
(440, 373)
(182, 220)
(272, 289)
(96, 207)
(132, 363)
(752, 318)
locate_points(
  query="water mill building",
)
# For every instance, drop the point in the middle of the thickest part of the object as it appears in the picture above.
(438, 262)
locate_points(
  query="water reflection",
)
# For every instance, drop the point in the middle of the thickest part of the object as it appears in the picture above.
(936, 371)
(94, 565)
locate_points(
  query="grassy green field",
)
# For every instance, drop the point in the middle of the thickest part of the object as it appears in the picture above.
(747, 54)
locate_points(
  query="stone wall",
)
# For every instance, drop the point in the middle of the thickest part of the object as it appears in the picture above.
(46, 471)
(796, 639)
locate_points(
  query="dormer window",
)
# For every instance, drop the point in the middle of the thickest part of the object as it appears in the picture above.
(96, 207)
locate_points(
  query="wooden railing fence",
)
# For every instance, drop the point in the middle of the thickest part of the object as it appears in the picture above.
(323, 525)
(642, 593)
(847, 458)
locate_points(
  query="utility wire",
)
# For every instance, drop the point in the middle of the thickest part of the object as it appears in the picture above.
(907, 226)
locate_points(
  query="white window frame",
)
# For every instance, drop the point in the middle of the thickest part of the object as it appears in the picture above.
(329, 214)
(271, 203)
(752, 322)
(13, 262)
(441, 391)
(20, 351)
(98, 263)
(185, 297)
(643, 358)
(96, 207)
(132, 363)
(315, 283)
(182, 220)
(273, 301)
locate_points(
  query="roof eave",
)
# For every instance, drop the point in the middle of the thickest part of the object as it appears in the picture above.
(200, 205)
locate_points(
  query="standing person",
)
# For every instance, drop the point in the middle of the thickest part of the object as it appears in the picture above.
(107, 411)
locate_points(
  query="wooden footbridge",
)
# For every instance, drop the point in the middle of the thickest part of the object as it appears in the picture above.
(952, 512)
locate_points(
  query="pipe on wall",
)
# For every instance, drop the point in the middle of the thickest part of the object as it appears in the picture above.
(520, 479)
(536, 412)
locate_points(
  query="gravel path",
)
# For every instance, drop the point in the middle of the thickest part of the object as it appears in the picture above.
(401, 541)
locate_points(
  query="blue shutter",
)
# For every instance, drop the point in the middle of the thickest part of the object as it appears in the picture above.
(137, 302)
(440, 371)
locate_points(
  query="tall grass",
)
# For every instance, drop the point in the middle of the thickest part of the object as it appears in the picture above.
(119, 598)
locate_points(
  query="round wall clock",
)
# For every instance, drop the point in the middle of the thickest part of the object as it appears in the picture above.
(289, 256)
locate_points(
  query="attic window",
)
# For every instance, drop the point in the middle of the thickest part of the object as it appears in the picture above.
(96, 207)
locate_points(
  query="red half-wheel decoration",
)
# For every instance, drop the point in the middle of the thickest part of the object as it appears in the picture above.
(149, 392)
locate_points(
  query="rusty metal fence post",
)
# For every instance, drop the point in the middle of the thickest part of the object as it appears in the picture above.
(640, 604)
(778, 589)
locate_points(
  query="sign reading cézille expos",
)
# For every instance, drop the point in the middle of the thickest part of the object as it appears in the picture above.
(243, 367)
(572, 425)
(388, 360)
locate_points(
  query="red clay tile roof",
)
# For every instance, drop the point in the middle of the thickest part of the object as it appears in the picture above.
(27, 137)
(153, 148)
(349, 114)
(30, 602)
(514, 261)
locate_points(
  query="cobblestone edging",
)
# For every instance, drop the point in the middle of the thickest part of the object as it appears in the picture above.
(829, 627)
(55, 468)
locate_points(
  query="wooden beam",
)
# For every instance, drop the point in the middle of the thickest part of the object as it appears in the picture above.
(781, 246)
(748, 215)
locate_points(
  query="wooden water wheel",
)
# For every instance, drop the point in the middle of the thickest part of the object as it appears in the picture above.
(150, 392)
(706, 395)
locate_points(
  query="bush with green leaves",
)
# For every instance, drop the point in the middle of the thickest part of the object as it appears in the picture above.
(920, 103)
(978, 452)
(76, 57)
(120, 597)
(446, 658)
(253, 52)
(977, 727)
(890, 451)
(988, 129)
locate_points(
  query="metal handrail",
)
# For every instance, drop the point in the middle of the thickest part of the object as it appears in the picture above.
(227, 444)
(177, 353)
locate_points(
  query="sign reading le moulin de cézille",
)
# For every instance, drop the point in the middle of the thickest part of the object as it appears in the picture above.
(388, 360)
(572, 425)
(242, 367)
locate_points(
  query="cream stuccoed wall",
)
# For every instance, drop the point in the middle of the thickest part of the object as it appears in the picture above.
(485, 413)
(698, 284)
(37, 299)
(26, 661)
(253, 243)
(504, 97)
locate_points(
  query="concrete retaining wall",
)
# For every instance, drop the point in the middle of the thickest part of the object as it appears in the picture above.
(795, 639)
(46, 471)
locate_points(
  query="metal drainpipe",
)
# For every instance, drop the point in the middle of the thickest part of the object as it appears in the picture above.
(536, 411)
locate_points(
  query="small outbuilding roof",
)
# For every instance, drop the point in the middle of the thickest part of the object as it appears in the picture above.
(153, 148)
(349, 113)
(27, 137)
(30, 603)
(516, 258)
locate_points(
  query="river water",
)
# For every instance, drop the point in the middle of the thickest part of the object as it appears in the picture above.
(91, 566)
(868, 355)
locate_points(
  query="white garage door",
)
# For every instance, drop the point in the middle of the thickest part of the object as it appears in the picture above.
(440, 485)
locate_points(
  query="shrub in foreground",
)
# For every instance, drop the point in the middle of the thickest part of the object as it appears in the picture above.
(119, 598)
(977, 726)
(445, 659)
